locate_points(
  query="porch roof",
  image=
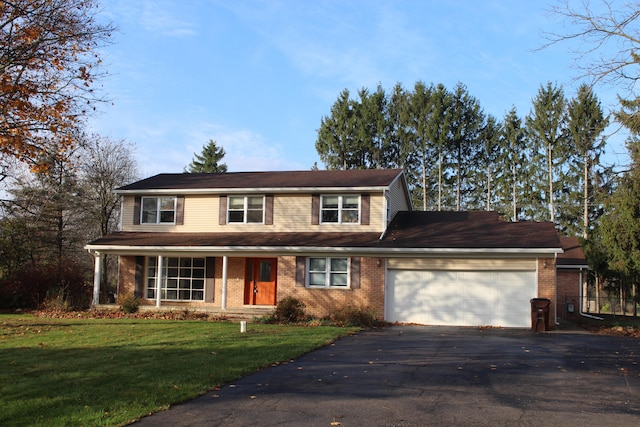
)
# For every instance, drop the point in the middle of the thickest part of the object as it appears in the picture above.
(410, 233)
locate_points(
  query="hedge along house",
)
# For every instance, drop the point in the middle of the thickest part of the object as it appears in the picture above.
(235, 241)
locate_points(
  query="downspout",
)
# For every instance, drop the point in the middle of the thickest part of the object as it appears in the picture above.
(590, 316)
(555, 289)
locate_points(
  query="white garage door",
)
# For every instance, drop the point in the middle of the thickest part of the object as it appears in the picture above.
(461, 298)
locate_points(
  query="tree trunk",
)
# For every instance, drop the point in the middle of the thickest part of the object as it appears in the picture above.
(598, 294)
(488, 188)
(459, 179)
(514, 194)
(440, 180)
(552, 209)
(585, 232)
(424, 183)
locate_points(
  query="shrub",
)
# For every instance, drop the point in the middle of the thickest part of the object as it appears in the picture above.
(353, 316)
(289, 310)
(130, 303)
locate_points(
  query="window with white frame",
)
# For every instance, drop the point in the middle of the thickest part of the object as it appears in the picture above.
(182, 278)
(158, 210)
(340, 209)
(246, 209)
(328, 272)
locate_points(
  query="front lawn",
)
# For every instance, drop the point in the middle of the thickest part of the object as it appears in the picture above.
(92, 372)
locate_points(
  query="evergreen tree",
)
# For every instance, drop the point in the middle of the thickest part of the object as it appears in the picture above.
(546, 125)
(466, 120)
(586, 123)
(335, 143)
(513, 161)
(489, 150)
(209, 160)
(620, 228)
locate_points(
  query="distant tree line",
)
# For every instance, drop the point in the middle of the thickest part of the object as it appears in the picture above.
(543, 166)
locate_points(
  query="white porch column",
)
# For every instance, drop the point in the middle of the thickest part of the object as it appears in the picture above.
(225, 270)
(159, 279)
(97, 274)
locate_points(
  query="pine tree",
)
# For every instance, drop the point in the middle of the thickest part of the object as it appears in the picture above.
(546, 125)
(586, 123)
(209, 160)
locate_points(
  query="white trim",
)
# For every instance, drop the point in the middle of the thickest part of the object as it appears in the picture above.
(158, 210)
(278, 190)
(327, 272)
(245, 208)
(397, 252)
(340, 209)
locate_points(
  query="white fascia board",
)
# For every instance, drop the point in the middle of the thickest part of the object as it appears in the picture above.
(394, 252)
(252, 190)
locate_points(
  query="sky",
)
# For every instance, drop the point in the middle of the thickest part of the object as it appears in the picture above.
(258, 76)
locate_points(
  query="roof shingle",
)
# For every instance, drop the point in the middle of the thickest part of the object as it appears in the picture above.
(252, 180)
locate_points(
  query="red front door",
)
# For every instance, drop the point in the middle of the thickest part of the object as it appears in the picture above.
(260, 281)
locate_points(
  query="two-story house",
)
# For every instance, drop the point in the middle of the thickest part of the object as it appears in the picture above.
(329, 238)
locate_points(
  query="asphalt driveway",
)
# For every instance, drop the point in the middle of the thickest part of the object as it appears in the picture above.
(444, 376)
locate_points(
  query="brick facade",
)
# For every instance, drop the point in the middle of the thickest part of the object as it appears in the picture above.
(547, 284)
(322, 302)
(126, 279)
(369, 294)
(569, 292)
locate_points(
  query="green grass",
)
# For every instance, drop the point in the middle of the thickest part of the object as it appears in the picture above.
(87, 372)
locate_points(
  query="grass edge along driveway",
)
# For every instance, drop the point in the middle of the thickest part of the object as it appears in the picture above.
(110, 372)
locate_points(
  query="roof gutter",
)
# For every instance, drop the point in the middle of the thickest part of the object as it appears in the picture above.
(396, 252)
(253, 190)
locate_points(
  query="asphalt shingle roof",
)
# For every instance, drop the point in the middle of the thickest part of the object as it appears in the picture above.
(408, 230)
(251, 180)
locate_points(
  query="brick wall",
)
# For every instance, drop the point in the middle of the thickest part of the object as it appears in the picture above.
(322, 302)
(547, 283)
(126, 280)
(568, 293)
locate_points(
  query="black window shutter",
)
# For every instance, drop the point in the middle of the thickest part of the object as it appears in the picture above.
(180, 210)
(223, 210)
(268, 209)
(138, 288)
(301, 273)
(355, 272)
(364, 209)
(136, 210)
(315, 209)
(209, 279)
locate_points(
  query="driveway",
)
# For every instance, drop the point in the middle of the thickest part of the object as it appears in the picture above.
(422, 375)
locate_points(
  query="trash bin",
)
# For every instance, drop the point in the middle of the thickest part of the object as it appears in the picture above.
(540, 314)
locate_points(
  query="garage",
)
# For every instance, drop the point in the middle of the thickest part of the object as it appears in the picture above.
(461, 292)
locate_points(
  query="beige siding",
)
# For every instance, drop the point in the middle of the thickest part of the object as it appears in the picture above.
(397, 199)
(291, 213)
(462, 264)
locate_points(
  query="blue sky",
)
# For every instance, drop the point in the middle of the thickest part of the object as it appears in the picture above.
(258, 76)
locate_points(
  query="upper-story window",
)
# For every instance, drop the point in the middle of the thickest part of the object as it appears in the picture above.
(340, 209)
(158, 210)
(246, 209)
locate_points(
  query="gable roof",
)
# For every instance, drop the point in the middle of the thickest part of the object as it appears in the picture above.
(468, 230)
(311, 180)
(573, 256)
